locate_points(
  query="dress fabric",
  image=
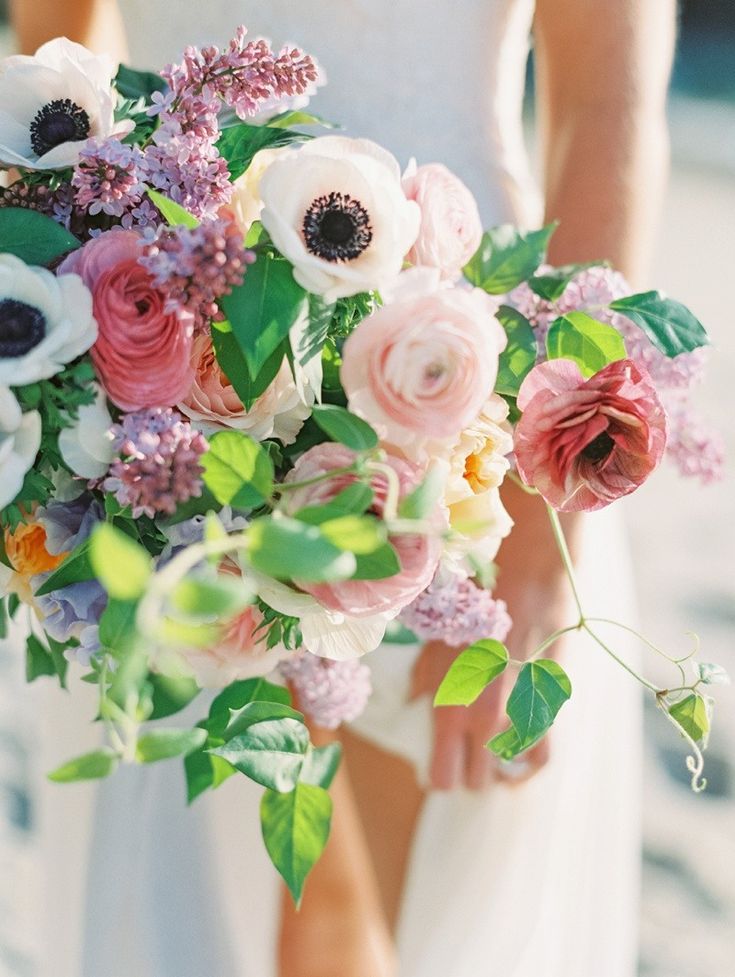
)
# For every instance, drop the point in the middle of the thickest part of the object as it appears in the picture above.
(537, 880)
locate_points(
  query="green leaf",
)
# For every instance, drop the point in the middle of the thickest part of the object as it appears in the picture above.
(76, 568)
(692, 714)
(138, 84)
(90, 766)
(356, 499)
(171, 694)
(471, 672)
(340, 425)
(174, 214)
(295, 830)
(40, 661)
(262, 310)
(379, 565)
(506, 257)
(519, 356)
(238, 144)
(239, 694)
(219, 596)
(129, 680)
(258, 711)
(541, 689)
(33, 237)
(589, 343)
(421, 501)
(314, 336)
(321, 765)
(289, 549)
(668, 324)
(361, 535)
(163, 744)
(232, 362)
(122, 566)
(298, 117)
(507, 744)
(117, 624)
(551, 285)
(271, 752)
(237, 470)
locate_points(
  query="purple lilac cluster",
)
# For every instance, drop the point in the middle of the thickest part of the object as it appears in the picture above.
(158, 464)
(328, 692)
(698, 452)
(197, 266)
(457, 612)
(57, 203)
(109, 178)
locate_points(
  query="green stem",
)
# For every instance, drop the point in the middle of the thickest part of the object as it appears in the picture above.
(290, 486)
(566, 557)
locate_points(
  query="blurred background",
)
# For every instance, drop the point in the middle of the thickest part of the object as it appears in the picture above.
(684, 548)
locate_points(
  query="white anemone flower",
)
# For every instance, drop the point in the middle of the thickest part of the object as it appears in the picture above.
(45, 321)
(325, 633)
(87, 446)
(52, 102)
(336, 209)
(20, 439)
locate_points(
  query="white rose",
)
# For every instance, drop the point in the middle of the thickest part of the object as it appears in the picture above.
(45, 321)
(52, 102)
(86, 446)
(20, 439)
(336, 209)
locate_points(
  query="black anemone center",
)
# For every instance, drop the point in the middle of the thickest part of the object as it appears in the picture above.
(337, 227)
(58, 122)
(21, 327)
(599, 448)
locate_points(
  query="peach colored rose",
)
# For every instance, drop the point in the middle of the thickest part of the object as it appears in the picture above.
(584, 443)
(451, 229)
(143, 351)
(418, 555)
(213, 405)
(422, 366)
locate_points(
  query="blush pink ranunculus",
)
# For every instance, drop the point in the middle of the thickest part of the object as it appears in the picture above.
(143, 350)
(418, 555)
(422, 367)
(451, 229)
(585, 442)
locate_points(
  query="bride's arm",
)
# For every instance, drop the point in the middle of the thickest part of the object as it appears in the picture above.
(603, 69)
(94, 23)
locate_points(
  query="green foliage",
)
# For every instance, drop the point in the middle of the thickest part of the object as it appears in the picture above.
(290, 549)
(519, 356)
(256, 712)
(321, 765)
(551, 285)
(122, 566)
(295, 830)
(379, 565)
(589, 343)
(174, 214)
(234, 366)
(90, 766)
(170, 694)
(238, 144)
(312, 340)
(117, 625)
(270, 752)
(421, 501)
(342, 426)
(163, 744)
(76, 568)
(349, 313)
(42, 660)
(237, 470)
(506, 257)
(471, 672)
(33, 237)
(541, 689)
(668, 324)
(262, 310)
(215, 595)
(134, 84)
(353, 500)
(693, 715)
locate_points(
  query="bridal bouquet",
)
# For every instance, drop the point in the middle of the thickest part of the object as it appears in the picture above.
(259, 391)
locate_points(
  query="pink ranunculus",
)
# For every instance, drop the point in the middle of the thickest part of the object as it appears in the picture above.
(422, 367)
(143, 351)
(213, 405)
(451, 229)
(418, 555)
(584, 443)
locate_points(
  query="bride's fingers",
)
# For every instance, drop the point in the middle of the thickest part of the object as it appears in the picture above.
(526, 766)
(448, 759)
(480, 772)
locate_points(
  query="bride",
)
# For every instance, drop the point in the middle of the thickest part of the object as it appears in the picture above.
(441, 863)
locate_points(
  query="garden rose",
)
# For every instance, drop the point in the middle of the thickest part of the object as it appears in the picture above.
(451, 229)
(418, 555)
(143, 351)
(421, 367)
(336, 209)
(584, 443)
(213, 405)
(52, 102)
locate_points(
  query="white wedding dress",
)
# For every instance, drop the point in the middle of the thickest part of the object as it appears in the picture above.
(538, 881)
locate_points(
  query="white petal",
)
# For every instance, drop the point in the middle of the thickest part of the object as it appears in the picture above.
(339, 637)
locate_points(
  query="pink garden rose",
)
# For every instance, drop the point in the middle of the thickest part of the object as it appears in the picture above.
(143, 350)
(584, 443)
(418, 555)
(423, 366)
(451, 229)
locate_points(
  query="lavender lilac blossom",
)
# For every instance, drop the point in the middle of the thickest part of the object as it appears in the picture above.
(328, 692)
(457, 612)
(109, 179)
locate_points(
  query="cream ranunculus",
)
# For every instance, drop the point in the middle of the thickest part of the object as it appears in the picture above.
(336, 209)
(45, 321)
(20, 439)
(479, 460)
(52, 102)
(87, 446)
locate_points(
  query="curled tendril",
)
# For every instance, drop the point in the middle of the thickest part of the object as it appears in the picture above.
(694, 762)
